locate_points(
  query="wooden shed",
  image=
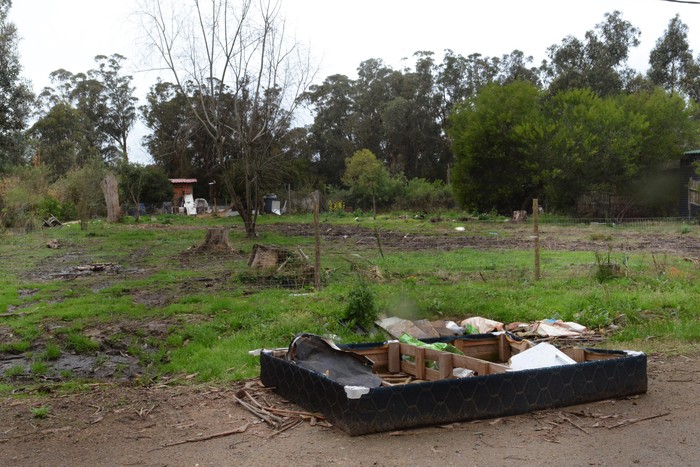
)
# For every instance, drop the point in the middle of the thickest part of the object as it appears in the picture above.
(182, 187)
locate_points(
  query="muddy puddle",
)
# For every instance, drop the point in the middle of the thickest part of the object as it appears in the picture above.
(113, 366)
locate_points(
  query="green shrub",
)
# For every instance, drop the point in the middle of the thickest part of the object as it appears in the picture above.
(361, 309)
(420, 194)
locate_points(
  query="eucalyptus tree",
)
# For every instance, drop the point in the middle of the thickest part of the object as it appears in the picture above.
(61, 140)
(515, 66)
(599, 62)
(412, 124)
(16, 98)
(671, 60)
(331, 135)
(247, 76)
(104, 98)
(118, 103)
(170, 143)
(376, 86)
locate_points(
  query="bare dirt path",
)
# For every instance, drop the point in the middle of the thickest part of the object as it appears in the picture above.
(118, 425)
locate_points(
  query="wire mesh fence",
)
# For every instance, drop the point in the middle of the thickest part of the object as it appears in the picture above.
(450, 249)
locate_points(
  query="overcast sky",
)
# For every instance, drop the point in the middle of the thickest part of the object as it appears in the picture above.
(341, 33)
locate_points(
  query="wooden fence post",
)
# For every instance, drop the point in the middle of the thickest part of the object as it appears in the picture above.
(536, 234)
(317, 234)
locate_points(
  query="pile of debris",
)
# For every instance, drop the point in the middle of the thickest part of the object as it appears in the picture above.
(545, 329)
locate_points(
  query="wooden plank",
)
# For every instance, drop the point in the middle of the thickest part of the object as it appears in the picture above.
(420, 362)
(408, 367)
(579, 355)
(503, 348)
(590, 356)
(481, 367)
(394, 357)
(497, 368)
(445, 365)
(432, 375)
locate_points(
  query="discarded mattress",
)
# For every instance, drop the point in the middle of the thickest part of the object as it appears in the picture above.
(418, 386)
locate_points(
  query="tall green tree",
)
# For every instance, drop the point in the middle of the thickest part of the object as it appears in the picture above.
(16, 98)
(104, 97)
(171, 143)
(332, 133)
(671, 60)
(118, 103)
(492, 169)
(599, 62)
(61, 141)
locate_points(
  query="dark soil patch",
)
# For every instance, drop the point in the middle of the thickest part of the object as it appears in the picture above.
(513, 237)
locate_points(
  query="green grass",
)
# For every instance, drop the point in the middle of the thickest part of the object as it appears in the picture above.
(215, 310)
(80, 344)
(40, 412)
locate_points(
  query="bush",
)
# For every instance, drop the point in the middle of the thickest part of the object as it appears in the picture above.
(361, 309)
(420, 194)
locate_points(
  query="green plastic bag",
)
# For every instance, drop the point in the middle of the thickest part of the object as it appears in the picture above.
(444, 346)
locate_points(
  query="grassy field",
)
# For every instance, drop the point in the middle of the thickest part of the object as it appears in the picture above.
(187, 314)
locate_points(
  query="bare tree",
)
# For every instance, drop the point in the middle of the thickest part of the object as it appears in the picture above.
(241, 75)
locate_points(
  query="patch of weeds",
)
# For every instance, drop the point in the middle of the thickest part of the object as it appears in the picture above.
(597, 237)
(594, 318)
(685, 229)
(606, 269)
(51, 353)
(174, 341)
(81, 344)
(41, 411)
(660, 265)
(361, 310)
(15, 348)
(14, 371)
(66, 374)
(39, 368)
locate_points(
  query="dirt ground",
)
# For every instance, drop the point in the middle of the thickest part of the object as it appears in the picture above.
(205, 426)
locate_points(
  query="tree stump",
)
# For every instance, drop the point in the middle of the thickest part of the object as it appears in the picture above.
(216, 239)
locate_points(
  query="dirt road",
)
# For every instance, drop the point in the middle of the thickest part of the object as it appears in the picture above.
(166, 426)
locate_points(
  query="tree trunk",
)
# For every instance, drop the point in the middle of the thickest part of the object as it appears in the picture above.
(110, 189)
(216, 239)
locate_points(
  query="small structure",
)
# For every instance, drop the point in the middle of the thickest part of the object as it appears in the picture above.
(689, 205)
(182, 187)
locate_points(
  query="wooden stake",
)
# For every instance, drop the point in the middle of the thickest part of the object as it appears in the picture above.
(536, 227)
(317, 232)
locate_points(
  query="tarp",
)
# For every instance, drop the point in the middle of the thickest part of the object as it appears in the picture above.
(322, 356)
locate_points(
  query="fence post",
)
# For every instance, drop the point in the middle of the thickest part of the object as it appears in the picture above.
(317, 235)
(536, 236)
